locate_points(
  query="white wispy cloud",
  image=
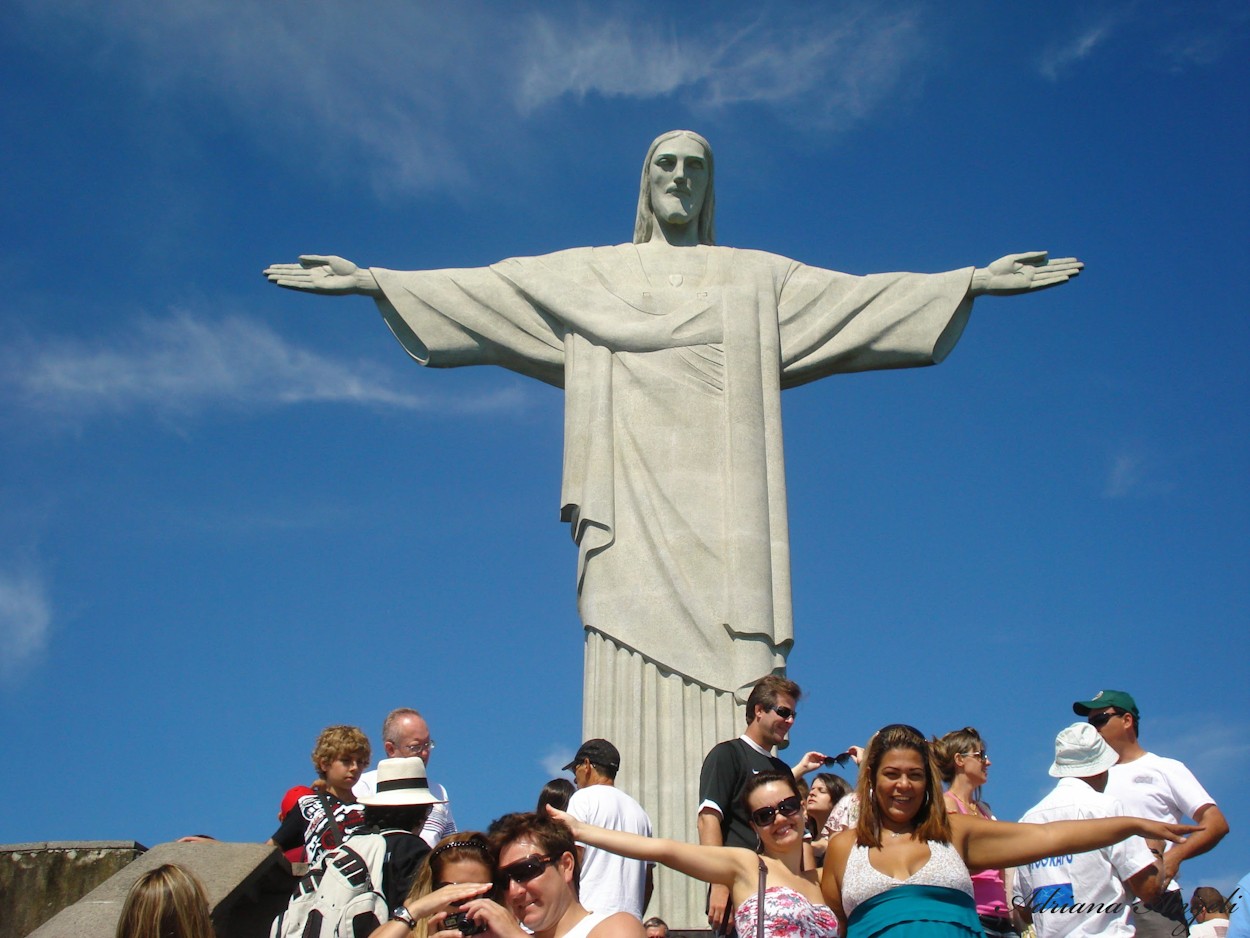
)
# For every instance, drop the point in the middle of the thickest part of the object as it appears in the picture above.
(1135, 471)
(1123, 476)
(556, 759)
(25, 619)
(185, 364)
(1057, 58)
(1216, 748)
(834, 66)
(403, 92)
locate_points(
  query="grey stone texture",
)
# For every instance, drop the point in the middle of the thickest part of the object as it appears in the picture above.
(247, 885)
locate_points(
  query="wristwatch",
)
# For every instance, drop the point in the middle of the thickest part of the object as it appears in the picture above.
(401, 914)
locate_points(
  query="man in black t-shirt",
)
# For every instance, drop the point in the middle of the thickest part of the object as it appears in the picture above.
(722, 818)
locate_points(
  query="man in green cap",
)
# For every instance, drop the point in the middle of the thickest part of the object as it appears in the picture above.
(1151, 786)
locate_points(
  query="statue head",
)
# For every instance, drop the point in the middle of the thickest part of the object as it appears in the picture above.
(645, 221)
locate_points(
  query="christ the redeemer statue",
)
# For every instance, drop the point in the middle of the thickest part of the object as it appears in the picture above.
(672, 353)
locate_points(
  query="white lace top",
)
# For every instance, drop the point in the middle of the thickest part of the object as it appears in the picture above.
(862, 880)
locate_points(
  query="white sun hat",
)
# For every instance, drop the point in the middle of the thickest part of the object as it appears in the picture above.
(401, 782)
(1080, 752)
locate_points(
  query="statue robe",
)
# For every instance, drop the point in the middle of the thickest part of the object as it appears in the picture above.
(673, 480)
(674, 484)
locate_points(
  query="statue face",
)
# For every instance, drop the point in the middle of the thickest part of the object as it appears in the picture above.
(678, 181)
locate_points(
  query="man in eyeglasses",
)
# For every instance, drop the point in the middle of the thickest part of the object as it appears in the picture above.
(1151, 786)
(723, 819)
(609, 882)
(406, 734)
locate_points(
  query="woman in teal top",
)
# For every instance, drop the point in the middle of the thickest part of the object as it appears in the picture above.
(904, 869)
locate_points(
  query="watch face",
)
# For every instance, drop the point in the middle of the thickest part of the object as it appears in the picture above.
(401, 913)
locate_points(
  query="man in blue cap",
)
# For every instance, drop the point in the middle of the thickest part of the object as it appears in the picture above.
(1151, 786)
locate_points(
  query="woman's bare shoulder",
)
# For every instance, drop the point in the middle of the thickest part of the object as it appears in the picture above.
(618, 925)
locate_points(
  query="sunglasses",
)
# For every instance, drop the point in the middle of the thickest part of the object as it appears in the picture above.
(1099, 720)
(979, 753)
(522, 871)
(787, 807)
(784, 712)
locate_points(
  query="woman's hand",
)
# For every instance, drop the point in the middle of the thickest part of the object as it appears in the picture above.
(441, 900)
(485, 913)
(572, 823)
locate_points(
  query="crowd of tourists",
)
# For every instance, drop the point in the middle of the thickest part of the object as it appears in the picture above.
(909, 848)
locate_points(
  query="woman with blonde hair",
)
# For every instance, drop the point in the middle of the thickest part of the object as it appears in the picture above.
(964, 764)
(459, 868)
(166, 902)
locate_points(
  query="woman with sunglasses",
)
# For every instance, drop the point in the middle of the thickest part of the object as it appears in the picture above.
(964, 765)
(903, 870)
(793, 906)
(460, 867)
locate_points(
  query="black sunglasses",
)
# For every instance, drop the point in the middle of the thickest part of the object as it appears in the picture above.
(1099, 720)
(784, 712)
(787, 807)
(522, 871)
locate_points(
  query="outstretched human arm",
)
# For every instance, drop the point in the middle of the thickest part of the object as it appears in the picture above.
(1214, 827)
(987, 844)
(728, 866)
(327, 274)
(1023, 273)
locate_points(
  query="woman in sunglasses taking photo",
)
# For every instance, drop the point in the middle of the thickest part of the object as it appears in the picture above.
(793, 906)
(903, 870)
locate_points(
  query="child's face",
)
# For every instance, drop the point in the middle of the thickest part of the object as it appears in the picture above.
(344, 771)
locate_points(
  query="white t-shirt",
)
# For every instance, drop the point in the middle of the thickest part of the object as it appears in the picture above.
(1065, 892)
(1157, 788)
(438, 825)
(1211, 928)
(611, 883)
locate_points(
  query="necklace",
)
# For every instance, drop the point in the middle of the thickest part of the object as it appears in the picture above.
(900, 833)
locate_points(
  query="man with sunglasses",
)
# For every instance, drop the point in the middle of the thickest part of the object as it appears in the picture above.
(608, 882)
(1151, 786)
(723, 819)
(538, 876)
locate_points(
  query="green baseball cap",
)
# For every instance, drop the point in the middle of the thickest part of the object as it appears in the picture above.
(1107, 698)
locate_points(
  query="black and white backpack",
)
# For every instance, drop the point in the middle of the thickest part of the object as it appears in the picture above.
(341, 896)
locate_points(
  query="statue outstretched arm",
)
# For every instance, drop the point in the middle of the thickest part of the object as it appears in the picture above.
(1022, 273)
(327, 274)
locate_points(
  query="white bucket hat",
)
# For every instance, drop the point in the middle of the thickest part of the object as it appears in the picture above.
(1080, 752)
(401, 782)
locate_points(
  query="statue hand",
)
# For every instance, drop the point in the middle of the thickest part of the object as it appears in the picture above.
(322, 273)
(1021, 273)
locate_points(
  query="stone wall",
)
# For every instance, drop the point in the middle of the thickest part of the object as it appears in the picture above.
(247, 885)
(38, 880)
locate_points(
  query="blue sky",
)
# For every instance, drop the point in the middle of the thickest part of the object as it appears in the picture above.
(231, 515)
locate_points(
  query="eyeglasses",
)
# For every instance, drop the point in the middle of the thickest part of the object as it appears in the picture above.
(787, 807)
(979, 753)
(417, 749)
(1099, 720)
(522, 871)
(784, 712)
